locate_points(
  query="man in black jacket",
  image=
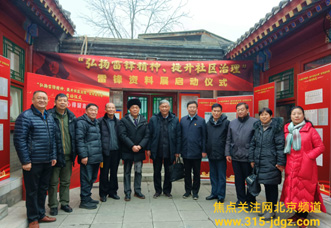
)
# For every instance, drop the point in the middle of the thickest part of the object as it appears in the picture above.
(163, 146)
(89, 151)
(217, 130)
(134, 135)
(65, 132)
(111, 154)
(36, 148)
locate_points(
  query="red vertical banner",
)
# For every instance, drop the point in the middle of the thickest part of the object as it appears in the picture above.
(314, 97)
(79, 95)
(229, 109)
(4, 118)
(264, 97)
(204, 111)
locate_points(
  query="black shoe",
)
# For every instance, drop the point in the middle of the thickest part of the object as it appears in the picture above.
(168, 195)
(195, 196)
(103, 198)
(139, 195)
(127, 197)
(66, 208)
(220, 200)
(53, 211)
(88, 205)
(211, 197)
(186, 195)
(93, 201)
(156, 195)
(115, 196)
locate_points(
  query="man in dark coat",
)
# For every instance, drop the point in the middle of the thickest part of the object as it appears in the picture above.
(111, 154)
(66, 154)
(217, 130)
(34, 140)
(238, 140)
(193, 129)
(134, 135)
(89, 151)
(163, 146)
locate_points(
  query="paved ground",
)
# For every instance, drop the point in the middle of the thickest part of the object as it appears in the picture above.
(147, 213)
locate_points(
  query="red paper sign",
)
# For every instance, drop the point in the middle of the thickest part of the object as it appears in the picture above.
(264, 97)
(79, 96)
(314, 97)
(204, 107)
(143, 74)
(4, 118)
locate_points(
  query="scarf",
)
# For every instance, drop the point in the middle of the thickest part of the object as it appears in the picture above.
(293, 138)
(266, 126)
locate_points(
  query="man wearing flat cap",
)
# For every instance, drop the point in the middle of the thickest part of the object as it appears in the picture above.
(134, 135)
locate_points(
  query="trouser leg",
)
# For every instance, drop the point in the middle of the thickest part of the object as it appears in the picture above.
(65, 177)
(113, 180)
(221, 182)
(188, 175)
(43, 187)
(157, 166)
(127, 176)
(239, 181)
(213, 174)
(52, 190)
(104, 184)
(138, 166)
(196, 175)
(88, 175)
(271, 192)
(247, 170)
(167, 185)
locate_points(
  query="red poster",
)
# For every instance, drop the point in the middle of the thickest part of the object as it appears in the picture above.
(204, 111)
(314, 96)
(229, 109)
(119, 73)
(264, 97)
(4, 118)
(79, 96)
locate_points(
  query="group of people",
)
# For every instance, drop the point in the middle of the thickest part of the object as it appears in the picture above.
(48, 141)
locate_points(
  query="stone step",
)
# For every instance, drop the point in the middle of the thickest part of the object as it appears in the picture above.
(3, 211)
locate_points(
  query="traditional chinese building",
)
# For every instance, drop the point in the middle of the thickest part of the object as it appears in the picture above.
(294, 37)
(25, 26)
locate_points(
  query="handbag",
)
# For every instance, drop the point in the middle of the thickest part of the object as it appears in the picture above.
(254, 188)
(177, 171)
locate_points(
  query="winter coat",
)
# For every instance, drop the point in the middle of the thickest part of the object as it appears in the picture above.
(216, 137)
(267, 151)
(105, 133)
(88, 140)
(34, 137)
(301, 174)
(193, 137)
(174, 135)
(238, 140)
(131, 135)
(72, 131)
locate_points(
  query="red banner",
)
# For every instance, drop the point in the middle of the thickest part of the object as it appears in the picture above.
(265, 97)
(314, 97)
(79, 96)
(4, 118)
(144, 74)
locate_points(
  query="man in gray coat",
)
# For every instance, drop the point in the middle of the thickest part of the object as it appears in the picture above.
(240, 133)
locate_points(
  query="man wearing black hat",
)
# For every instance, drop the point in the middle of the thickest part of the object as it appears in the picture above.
(134, 135)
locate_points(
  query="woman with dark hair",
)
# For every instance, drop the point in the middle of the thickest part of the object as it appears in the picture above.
(303, 145)
(267, 155)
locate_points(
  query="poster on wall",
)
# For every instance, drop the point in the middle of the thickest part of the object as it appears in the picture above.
(229, 104)
(4, 118)
(264, 97)
(79, 96)
(315, 98)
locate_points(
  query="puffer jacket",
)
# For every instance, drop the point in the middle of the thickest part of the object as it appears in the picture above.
(105, 135)
(216, 137)
(301, 174)
(34, 137)
(88, 140)
(174, 135)
(131, 135)
(72, 131)
(267, 150)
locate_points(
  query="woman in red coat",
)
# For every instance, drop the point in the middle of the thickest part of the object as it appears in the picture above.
(303, 145)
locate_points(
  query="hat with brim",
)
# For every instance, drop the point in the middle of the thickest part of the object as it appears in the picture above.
(134, 101)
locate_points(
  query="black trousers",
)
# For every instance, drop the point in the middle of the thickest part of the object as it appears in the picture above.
(190, 164)
(88, 175)
(271, 193)
(108, 174)
(36, 185)
(157, 166)
(241, 171)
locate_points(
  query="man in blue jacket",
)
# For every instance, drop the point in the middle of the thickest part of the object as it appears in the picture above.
(36, 148)
(193, 129)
